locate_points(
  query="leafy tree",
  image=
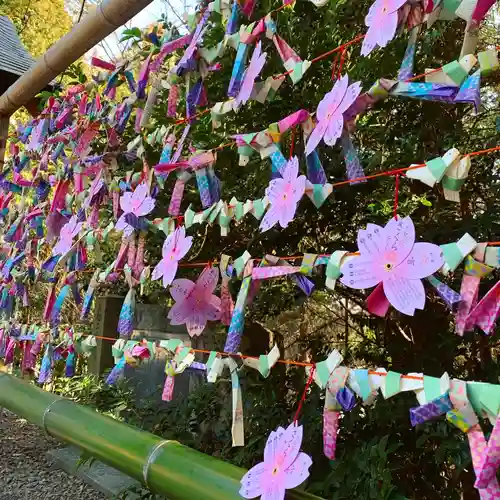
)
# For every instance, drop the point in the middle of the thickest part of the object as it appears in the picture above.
(39, 23)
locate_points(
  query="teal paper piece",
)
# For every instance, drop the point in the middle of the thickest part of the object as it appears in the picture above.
(432, 388)
(484, 397)
(258, 209)
(323, 373)
(452, 255)
(364, 383)
(392, 384)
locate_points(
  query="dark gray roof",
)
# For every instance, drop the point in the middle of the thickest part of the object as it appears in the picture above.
(14, 58)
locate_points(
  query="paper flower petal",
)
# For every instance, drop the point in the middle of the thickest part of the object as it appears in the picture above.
(298, 472)
(332, 99)
(251, 483)
(371, 241)
(400, 238)
(126, 202)
(360, 273)
(269, 220)
(181, 288)
(316, 136)
(334, 130)
(405, 295)
(289, 445)
(424, 260)
(195, 323)
(271, 447)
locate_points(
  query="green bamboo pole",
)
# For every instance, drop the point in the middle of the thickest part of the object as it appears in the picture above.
(172, 469)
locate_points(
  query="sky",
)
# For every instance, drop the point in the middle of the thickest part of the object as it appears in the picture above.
(111, 48)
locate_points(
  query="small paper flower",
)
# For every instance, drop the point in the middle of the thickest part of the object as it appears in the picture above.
(390, 256)
(176, 246)
(330, 113)
(195, 302)
(382, 22)
(284, 466)
(284, 194)
(254, 68)
(68, 232)
(138, 203)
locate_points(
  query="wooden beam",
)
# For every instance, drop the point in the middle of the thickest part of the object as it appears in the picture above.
(96, 25)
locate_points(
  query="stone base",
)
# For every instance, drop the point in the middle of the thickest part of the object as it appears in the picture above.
(101, 477)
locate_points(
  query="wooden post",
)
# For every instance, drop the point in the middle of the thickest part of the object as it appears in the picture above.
(4, 133)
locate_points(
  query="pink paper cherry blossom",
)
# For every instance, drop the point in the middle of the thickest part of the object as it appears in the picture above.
(254, 68)
(390, 256)
(138, 203)
(195, 302)
(382, 22)
(176, 246)
(68, 232)
(284, 466)
(330, 113)
(284, 195)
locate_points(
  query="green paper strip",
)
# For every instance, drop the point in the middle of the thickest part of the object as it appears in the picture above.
(452, 183)
(455, 71)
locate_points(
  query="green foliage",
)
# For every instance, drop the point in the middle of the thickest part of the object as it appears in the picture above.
(39, 23)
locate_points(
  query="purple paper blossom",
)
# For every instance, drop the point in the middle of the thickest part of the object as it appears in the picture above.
(382, 22)
(195, 302)
(176, 246)
(137, 203)
(284, 195)
(284, 467)
(389, 255)
(68, 232)
(330, 113)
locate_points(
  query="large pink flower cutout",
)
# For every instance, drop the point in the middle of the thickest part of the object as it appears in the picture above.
(176, 246)
(382, 22)
(390, 256)
(284, 195)
(330, 113)
(68, 232)
(253, 71)
(138, 203)
(284, 466)
(195, 302)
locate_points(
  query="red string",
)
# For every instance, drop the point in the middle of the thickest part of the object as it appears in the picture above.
(338, 64)
(334, 67)
(304, 394)
(396, 197)
(292, 142)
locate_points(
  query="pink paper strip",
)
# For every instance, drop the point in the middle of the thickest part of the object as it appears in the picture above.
(377, 302)
(486, 312)
(227, 304)
(292, 120)
(260, 273)
(175, 201)
(173, 98)
(330, 429)
(468, 292)
(477, 443)
(168, 389)
(486, 472)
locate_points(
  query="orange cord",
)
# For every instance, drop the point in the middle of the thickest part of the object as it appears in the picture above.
(281, 361)
(386, 173)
